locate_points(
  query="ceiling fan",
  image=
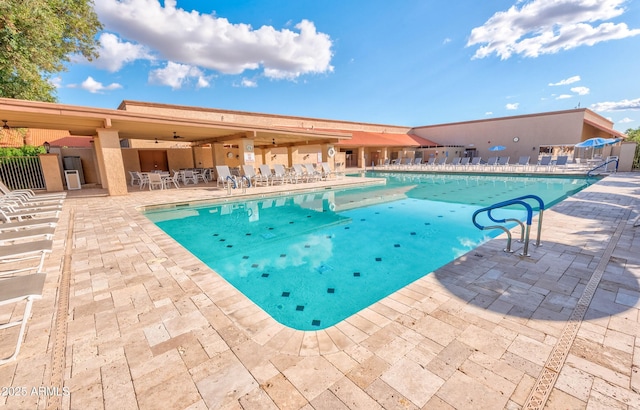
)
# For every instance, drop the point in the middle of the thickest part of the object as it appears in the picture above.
(175, 137)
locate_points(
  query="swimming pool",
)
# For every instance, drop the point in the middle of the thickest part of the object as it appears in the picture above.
(311, 260)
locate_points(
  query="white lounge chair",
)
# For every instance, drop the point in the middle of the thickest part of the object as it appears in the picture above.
(15, 290)
(298, 174)
(21, 214)
(326, 170)
(45, 232)
(28, 193)
(24, 251)
(312, 174)
(279, 173)
(224, 176)
(255, 179)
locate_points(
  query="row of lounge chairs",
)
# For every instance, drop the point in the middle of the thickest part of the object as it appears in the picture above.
(27, 225)
(266, 176)
(477, 164)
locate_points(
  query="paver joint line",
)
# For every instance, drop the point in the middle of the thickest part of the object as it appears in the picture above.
(551, 370)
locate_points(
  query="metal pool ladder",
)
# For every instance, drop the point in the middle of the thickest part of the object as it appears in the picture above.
(525, 231)
(605, 165)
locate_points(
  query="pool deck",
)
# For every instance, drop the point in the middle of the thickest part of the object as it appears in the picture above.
(129, 319)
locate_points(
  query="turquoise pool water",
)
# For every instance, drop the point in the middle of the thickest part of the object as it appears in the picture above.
(312, 260)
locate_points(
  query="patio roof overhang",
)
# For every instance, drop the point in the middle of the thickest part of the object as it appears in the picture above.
(85, 121)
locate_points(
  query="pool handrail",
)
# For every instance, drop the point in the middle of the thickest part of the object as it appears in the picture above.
(541, 208)
(604, 164)
(527, 228)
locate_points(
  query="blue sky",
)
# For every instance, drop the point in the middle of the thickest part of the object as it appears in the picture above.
(409, 62)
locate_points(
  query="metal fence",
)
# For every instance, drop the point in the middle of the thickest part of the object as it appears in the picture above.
(22, 172)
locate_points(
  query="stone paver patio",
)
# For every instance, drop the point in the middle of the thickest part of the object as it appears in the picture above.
(130, 319)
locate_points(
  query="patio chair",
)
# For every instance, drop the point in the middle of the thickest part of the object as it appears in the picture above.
(455, 163)
(29, 194)
(188, 176)
(172, 180)
(464, 162)
(155, 181)
(561, 162)
(475, 161)
(326, 170)
(45, 232)
(523, 162)
(265, 171)
(430, 162)
(298, 174)
(11, 213)
(545, 162)
(255, 179)
(279, 173)
(312, 174)
(224, 177)
(8, 225)
(502, 162)
(24, 251)
(25, 288)
(135, 178)
(491, 163)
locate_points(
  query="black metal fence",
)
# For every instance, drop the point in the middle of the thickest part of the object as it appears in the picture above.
(22, 172)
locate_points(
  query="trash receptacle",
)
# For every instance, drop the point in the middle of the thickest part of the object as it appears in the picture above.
(73, 179)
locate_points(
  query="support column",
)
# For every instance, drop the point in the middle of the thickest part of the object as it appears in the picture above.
(110, 162)
(247, 151)
(51, 170)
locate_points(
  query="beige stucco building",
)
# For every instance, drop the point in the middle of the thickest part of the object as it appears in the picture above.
(141, 136)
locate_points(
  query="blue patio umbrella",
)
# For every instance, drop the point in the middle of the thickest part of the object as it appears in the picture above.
(497, 148)
(593, 143)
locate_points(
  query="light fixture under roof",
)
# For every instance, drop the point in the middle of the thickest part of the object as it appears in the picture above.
(175, 137)
(5, 126)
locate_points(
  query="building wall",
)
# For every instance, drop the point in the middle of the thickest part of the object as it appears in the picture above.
(532, 131)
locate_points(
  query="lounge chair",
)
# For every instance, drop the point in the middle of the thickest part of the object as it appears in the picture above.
(255, 179)
(523, 162)
(561, 161)
(15, 290)
(502, 162)
(326, 170)
(464, 162)
(455, 163)
(224, 177)
(312, 174)
(545, 162)
(11, 213)
(430, 163)
(491, 163)
(6, 224)
(12, 236)
(298, 174)
(24, 251)
(279, 173)
(265, 171)
(475, 161)
(29, 194)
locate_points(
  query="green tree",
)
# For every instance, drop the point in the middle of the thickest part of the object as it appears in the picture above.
(634, 134)
(37, 39)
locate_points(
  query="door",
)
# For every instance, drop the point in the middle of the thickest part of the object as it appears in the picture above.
(153, 160)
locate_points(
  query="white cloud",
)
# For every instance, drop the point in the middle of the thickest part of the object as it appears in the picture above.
(617, 105)
(249, 83)
(581, 90)
(563, 96)
(513, 106)
(549, 26)
(56, 81)
(210, 42)
(446, 41)
(95, 87)
(177, 75)
(488, 113)
(625, 120)
(566, 81)
(115, 53)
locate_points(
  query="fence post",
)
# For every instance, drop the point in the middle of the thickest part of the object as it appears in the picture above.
(51, 172)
